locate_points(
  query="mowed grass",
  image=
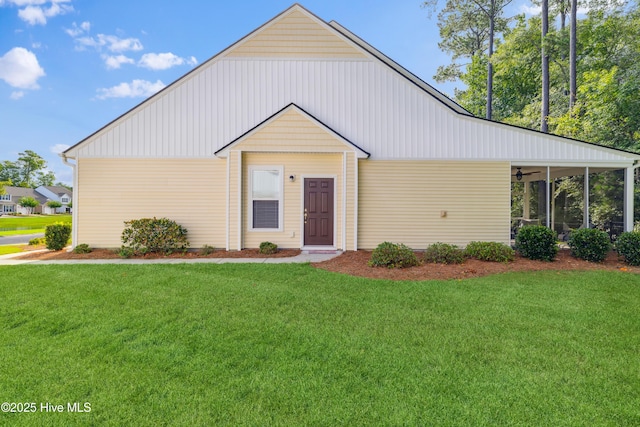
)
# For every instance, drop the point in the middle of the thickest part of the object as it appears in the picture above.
(10, 249)
(285, 345)
(13, 225)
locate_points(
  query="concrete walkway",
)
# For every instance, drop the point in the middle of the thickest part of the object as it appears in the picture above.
(10, 259)
(20, 239)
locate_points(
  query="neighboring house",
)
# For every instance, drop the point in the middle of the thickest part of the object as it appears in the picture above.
(59, 194)
(10, 201)
(304, 135)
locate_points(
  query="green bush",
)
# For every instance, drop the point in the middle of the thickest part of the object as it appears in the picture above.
(37, 241)
(444, 253)
(207, 250)
(154, 235)
(82, 248)
(537, 242)
(628, 245)
(393, 255)
(268, 248)
(589, 244)
(490, 251)
(57, 235)
(126, 252)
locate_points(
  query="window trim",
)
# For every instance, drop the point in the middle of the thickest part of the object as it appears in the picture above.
(62, 199)
(280, 199)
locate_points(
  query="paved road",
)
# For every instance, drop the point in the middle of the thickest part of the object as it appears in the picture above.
(20, 239)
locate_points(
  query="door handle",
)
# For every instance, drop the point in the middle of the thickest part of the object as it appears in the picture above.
(305, 215)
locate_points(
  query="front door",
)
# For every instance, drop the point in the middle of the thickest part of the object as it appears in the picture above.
(318, 211)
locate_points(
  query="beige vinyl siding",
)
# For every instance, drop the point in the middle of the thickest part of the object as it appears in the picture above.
(350, 220)
(296, 34)
(292, 132)
(188, 191)
(404, 202)
(312, 165)
(235, 166)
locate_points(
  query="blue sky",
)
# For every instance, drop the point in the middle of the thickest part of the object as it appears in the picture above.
(68, 67)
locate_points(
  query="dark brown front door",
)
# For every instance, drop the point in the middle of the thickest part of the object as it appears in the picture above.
(318, 211)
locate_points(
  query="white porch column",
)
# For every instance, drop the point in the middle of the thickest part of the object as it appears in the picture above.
(585, 215)
(628, 198)
(547, 196)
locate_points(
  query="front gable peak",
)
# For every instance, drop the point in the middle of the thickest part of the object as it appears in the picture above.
(292, 130)
(296, 32)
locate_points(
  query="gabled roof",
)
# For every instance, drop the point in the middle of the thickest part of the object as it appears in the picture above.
(17, 193)
(293, 108)
(440, 130)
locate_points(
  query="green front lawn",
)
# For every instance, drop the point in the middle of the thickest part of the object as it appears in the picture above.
(10, 249)
(230, 344)
(13, 225)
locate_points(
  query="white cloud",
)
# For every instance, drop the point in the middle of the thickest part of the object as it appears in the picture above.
(58, 148)
(20, 68)
(135, 89)
(112, 43)
(530, 10)
(78, 30)
(163, 61)
(115, 62)
(17, 95)
(34, 13)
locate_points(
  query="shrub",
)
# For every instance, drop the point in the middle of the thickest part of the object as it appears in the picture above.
(537, 242)
(589, 244)
(57, 235)
(207, 250)
(37, 241)
(393, 255)
(268, 248)
(444, 253)
(628, 245)
(490, 251)
(82, 248)
(154, 235)
(126, 252)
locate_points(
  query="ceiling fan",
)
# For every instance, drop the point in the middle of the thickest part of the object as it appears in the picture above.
(519, 174)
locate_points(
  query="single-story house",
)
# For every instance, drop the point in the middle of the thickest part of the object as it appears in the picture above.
(10, 200)
(303, 134)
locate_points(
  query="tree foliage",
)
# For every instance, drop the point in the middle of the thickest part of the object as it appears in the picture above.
(29, 203)
(29, 170)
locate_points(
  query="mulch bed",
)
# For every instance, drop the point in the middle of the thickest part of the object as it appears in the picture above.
(113, 254)
(356, 263)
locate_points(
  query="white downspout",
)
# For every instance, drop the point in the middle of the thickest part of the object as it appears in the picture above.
(74, 210)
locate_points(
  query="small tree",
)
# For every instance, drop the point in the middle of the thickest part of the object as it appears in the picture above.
(54, 204)
(29, 203)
